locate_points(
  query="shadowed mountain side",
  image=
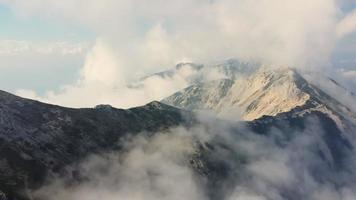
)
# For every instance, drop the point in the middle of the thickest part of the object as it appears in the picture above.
(37, 138)
(224, 164)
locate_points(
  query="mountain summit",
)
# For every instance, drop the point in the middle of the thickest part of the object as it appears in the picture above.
(266, 92)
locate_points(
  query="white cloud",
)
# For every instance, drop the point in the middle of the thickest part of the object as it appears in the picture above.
(40, 65)
(101, 65)
(17, 47)
(347, 25)
(273, 171)
(140, 37)
(349, 74)
(150, 168)
(277, 31)
(157, 166)
(243, 195)
(349, 79)
(103, 81)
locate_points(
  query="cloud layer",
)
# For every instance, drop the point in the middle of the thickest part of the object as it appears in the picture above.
(161, 33)
(139, 37)
(278, 165)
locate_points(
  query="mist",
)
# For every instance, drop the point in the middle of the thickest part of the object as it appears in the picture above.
(216, 160)
(145, 51)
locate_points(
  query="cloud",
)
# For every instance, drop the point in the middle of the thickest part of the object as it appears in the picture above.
(149, 168)
(40, 65)
(101, 65)
(16, 47)
(168, 165)
(349, 74)
(137, 38)
(109, 85)
(349, 77)
(347, 25)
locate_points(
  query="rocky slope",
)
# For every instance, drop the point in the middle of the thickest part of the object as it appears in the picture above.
(326, 156)
(265, 92)
(38, 139)
(201, 96)
(286, 117)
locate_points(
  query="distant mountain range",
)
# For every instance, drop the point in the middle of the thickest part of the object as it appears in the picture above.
(39, 140)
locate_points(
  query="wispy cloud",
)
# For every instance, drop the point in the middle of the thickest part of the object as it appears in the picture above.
(16, 47)
(347, 25)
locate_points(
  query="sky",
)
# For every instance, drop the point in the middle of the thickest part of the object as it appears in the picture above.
(65, 51)
(33, 51)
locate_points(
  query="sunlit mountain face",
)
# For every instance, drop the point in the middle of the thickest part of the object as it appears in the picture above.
(172, 100)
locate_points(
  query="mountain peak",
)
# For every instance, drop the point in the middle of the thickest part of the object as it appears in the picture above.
(267, 91)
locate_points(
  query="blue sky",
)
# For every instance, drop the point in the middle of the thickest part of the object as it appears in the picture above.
(39, 72)
(344, 53)
(348, 5)
(37, 29)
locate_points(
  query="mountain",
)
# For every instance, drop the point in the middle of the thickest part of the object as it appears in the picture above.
(38, 139)
(312, 142)
(268, 91)
(281, 100)
(272, 124)
(201, 96)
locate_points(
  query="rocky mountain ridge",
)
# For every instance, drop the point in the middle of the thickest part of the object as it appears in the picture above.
(268, 91)
(39, 140)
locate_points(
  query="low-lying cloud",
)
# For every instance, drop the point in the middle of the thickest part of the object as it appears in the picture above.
(184, 163)
(149, 168)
